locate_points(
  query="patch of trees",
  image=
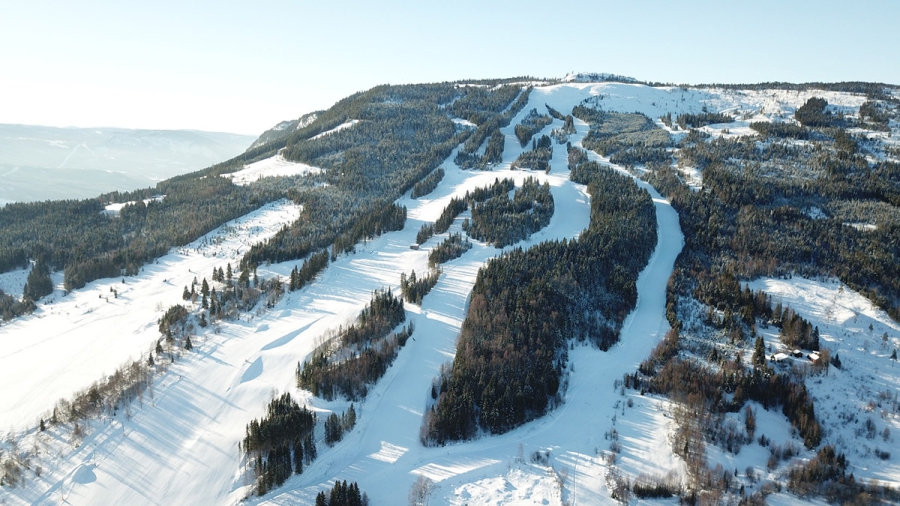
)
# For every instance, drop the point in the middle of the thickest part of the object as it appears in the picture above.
(826, 475)
(705, 389)
(525, 305)
(415, 288)
(75, 236)
(479, 103)
(797, 332)
(538, 158)
(403, 135)
(280, 443)
(501, 221)
(554, 113)
(427, 185)
(532, 123)
(312, 266)
(451, 248)
(360, 353)
(38, 283)
(562, 134)
(628, 139)
(467, 157)
(780, 130)
(688, 120)
(453, 209)
(337, 425)
(425, 232)
(342, 494)
(742, 202)
(813, 113)
(11, 307)
(576, 156)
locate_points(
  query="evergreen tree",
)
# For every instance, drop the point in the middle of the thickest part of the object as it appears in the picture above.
(759, 353)
(39, 283)
(187, 343)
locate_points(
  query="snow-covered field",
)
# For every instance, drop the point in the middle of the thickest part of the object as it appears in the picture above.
(270, 167)
(180, 445)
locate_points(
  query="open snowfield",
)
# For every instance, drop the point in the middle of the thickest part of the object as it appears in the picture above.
(180, 445)
(72, 340)
(270, 167)
(866, 385)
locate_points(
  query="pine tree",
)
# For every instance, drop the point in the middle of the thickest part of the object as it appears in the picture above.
(759, 353)
(43, 427)
(187, 343)
(186, 294)
(204, 289)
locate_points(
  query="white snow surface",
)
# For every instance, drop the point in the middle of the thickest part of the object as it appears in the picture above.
(867, 381)
(273, 166)
(72, 340)
(181, 445)
(338, 128)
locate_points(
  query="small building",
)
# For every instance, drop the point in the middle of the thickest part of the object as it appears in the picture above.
(797, 354)
(414, 247)
(813, 357)
(779, 357)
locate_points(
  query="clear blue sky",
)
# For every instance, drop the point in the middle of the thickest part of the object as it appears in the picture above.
(244, 66)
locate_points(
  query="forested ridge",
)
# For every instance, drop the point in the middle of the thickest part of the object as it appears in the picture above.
(402, 134)
(526, 304)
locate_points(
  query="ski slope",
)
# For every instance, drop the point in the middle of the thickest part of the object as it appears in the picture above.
(180, 444)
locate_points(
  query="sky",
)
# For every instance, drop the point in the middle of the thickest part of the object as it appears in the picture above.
(244, 66)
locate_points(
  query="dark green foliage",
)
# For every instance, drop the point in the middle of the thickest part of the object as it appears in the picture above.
(742, 203)
(453, 247)
(38, 283)
(174, 318)
(526, 304)
(453, 209)
(415, 288)
(466, 158)
(502, 221)
(270, 441)
(312, 266)
(554, 113)
(780, 130)
(425, 233)
(797, 332)
(365, 350)
(427, 185)
(493, 153)
(480, 103)
(538, 158)
(813, 113)
(686, 121)
(336, 426)
(342, 494)
(531, 124)
(628, 139)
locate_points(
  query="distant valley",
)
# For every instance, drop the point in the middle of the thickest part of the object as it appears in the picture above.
(49, 163)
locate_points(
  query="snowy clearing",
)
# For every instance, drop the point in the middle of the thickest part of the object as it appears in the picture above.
(274, 166)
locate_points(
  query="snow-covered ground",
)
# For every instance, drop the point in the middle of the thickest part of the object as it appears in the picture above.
(72, 340)
(180, 445)
(273, 166)
(865, 387)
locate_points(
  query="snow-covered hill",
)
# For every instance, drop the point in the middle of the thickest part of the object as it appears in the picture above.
(180, 445)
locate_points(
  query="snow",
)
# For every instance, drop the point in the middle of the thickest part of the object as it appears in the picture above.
(338, 128)
(274, 166)
(115, 208)
(73, 340)
(865, 386)
(180, 445)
